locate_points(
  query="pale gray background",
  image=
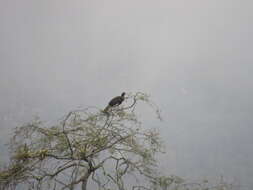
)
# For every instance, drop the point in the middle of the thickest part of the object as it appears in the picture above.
(193, 56)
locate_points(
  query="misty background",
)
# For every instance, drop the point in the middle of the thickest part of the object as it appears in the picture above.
(193, 57)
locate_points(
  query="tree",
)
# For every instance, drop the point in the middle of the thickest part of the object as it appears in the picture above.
(84, 145)
(111, 151)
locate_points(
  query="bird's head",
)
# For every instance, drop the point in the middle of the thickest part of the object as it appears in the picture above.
(123, 94)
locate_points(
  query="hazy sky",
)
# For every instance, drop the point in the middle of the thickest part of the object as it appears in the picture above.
(194, 57)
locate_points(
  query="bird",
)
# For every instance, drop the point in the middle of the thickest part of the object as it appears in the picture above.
(116, 101)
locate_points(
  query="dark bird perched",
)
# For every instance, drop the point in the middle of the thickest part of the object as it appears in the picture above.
(115, 101)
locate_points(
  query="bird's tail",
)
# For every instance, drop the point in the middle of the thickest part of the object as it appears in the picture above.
(107, 108)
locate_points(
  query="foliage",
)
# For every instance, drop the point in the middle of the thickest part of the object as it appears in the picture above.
(84, 144)
(112, 151)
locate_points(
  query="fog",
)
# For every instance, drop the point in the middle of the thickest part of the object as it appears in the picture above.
(193, 57)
